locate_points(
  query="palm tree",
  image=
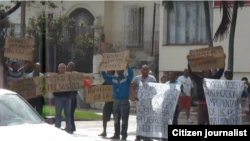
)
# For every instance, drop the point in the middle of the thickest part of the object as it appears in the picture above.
(227, 25)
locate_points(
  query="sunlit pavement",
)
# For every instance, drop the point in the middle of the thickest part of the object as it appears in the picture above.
(89, 130)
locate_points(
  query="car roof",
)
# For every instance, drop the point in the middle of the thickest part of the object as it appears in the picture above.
(5, 92)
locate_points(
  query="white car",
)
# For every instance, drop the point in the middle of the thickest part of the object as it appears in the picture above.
(20, 122)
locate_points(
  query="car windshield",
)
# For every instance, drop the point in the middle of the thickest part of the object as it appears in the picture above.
(14, 111)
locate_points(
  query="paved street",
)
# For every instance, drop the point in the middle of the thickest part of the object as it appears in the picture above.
(89, 130)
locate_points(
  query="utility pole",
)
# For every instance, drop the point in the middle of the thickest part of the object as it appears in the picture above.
(22, 32)
(23, 9)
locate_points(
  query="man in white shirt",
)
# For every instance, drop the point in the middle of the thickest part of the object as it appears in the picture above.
(185, 96)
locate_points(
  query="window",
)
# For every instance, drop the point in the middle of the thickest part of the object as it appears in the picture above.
(134, 27)
(50, 16)
(186, 24)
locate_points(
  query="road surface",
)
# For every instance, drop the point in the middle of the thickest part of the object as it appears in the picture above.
(89, 130)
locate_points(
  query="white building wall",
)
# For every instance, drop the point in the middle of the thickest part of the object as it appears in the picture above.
(173, 58)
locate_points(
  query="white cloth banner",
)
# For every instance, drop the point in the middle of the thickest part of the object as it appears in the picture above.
(223, 99)
(155, 108)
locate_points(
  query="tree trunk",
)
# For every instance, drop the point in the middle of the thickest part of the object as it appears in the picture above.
(207, 21)
(208, 27)
(231, 37)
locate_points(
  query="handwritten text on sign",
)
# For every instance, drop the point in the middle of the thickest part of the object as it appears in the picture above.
(25, 87)
(64, 82)
(99, 93)
(18, 42)
(114, 61)
(155, 108)
(206, 58)
(19, 53)
(223, 101)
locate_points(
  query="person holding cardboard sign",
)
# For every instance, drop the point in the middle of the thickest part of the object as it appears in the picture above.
(121, 90)
(37, 102)
(203, 117)
(63, 102)
(71, 68)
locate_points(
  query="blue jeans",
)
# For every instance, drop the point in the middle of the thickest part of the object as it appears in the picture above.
(63, 103)
(121, 111)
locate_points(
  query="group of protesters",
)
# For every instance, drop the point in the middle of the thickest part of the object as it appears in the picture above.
(125, 88)
(63, 100)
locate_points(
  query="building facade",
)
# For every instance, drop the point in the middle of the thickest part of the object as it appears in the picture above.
(184, 30)
(126, 24)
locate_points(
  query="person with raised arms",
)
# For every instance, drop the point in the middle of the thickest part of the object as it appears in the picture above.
(144, 77)
(121, 90)
(203, 117)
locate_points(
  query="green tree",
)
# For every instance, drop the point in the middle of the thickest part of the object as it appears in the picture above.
(227, 25)
(57, 32)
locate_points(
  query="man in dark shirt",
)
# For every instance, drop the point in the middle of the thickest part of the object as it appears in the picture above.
(203, 117)
(107, 109)
(63, 101)
(37, 102)
(71, 68)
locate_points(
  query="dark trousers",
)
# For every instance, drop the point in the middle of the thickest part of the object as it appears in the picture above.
(121, 112)
(72, 112)
(203, 118)
(176, 115)
(37, 103)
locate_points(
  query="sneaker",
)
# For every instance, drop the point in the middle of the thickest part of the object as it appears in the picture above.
(115, 138)
(189, 120)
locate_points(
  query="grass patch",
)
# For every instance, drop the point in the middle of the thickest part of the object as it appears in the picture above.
(80, 115)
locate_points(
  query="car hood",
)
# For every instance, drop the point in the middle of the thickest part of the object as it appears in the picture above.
(34, 132)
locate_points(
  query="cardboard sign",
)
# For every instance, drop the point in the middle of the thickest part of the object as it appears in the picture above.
(223, 101)
(206, 58)
(155, 108)
(19, 53)
(99, 93)
(64, 82)
(19, 42)
(25, 87)
(114, 61)
(40, 85)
